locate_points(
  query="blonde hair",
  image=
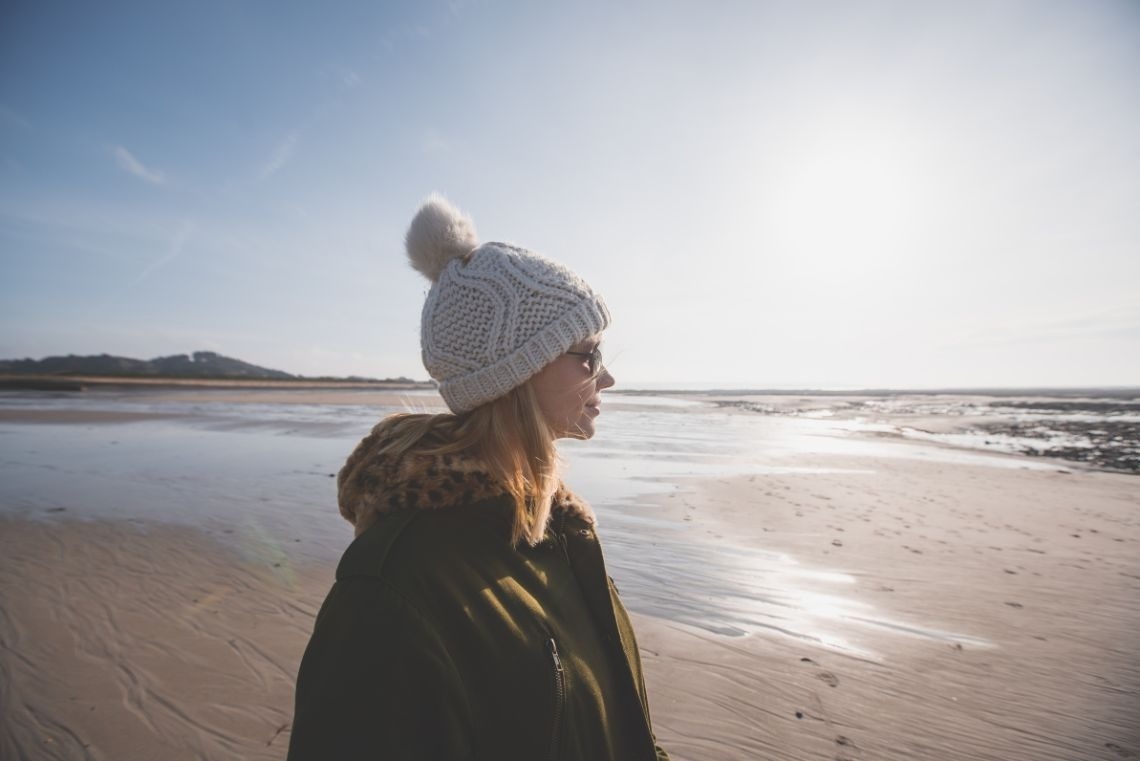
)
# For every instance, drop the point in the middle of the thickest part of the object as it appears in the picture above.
(508, 436)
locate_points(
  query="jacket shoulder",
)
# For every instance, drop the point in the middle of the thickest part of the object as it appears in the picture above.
(369, 552)
(424, 534)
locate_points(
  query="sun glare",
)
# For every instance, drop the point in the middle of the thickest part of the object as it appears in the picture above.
(848, 203)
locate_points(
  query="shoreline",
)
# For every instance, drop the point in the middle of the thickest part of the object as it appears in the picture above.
(743, 395)
(19, 382)
(1105, 444)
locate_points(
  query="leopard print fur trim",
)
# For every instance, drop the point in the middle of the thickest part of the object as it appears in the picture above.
(371, 483)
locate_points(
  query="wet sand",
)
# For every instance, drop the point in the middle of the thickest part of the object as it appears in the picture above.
(132, 640)
(123, 641)
(1036, 574)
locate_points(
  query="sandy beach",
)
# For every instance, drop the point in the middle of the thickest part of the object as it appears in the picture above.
(1039, 570)
(891, 599)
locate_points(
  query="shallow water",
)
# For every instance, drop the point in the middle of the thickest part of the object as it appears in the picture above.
(260, 476)
(1100, 430)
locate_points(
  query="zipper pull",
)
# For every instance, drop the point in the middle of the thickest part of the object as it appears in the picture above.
(553, 646)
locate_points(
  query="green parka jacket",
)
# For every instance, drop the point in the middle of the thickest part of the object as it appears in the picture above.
(440, 640)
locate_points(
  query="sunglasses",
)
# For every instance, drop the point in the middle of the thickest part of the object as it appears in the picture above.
(593, 359)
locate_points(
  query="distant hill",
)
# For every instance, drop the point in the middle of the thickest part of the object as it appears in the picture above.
(200, 364)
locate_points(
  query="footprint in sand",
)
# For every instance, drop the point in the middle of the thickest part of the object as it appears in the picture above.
(831, 680)
(850, 751)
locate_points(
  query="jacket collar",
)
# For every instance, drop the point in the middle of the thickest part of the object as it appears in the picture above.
(371, 484)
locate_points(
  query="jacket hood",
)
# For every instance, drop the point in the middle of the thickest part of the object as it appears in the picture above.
(372, 484)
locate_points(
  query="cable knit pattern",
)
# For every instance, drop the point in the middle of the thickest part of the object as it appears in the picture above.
(497, 315)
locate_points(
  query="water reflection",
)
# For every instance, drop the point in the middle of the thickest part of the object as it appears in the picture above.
(735, 591)
(665, 569)
(260, 474)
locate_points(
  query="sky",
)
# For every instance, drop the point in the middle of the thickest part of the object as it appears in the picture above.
(767, 194)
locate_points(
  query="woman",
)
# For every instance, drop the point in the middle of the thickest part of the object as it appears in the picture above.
(472, 617)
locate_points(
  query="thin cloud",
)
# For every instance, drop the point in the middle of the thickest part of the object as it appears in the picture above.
(131, 165)
(177, 244)
(179, 237)
(434, 142)
(346, 77)
(350, 78)
(281, 155)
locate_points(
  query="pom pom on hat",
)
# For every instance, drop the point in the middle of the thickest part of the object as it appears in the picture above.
(439, 233)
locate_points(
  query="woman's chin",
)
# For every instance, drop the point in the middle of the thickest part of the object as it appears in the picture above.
(583, 430)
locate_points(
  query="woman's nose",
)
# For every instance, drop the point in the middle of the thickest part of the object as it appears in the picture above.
(605, 380)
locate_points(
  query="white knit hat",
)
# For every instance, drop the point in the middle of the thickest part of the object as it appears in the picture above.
(496, 314)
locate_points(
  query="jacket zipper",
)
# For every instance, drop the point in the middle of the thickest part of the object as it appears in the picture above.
(592, 563)
(559, 696)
